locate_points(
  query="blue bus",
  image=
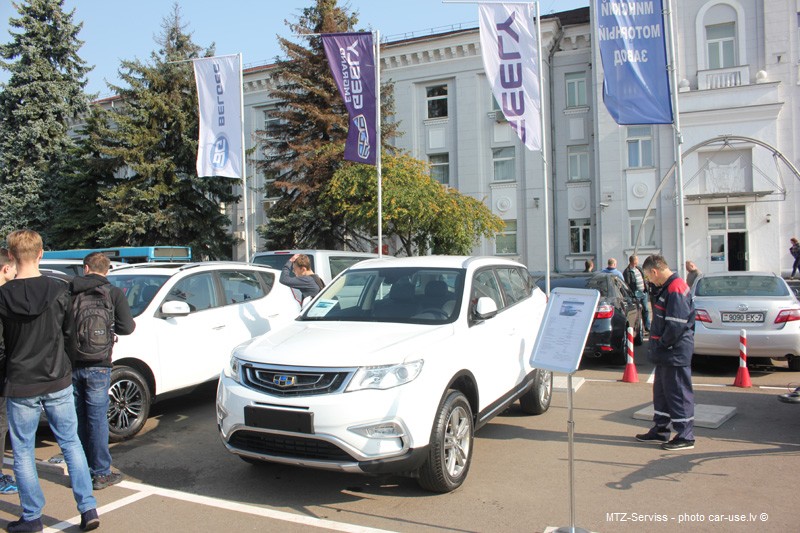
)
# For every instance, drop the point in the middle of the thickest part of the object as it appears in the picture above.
(128, 254)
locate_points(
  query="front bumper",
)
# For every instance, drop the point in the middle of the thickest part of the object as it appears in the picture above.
(331, 444)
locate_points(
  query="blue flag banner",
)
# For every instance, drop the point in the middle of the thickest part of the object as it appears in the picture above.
(634, 56)
(352, 61)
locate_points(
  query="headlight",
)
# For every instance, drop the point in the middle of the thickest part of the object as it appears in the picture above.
(385, 377)
(233, 369)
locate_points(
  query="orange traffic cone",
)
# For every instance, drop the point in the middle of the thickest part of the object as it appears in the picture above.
(630, 375)
(742, 375)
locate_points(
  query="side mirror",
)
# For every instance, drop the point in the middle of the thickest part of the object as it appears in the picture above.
(485, 308)
(175, 308)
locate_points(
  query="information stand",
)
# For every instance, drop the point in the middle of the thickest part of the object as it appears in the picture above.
(559, 347)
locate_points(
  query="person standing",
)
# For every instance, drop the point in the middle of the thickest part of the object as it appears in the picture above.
(670, 350)
(35, 326)
(588, 265)
(297, 274)
(8, 269)
(612, 268)
(692, 272)
(795, 251)
(637, 282)
(91, 375)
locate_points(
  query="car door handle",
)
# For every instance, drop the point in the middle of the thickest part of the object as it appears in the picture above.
(216, 328)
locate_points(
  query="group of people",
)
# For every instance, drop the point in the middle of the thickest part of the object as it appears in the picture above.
(45, 366)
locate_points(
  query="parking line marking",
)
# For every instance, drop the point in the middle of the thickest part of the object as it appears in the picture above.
(144, 491)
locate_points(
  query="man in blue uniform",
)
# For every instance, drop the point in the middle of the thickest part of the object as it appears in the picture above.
(670, 350)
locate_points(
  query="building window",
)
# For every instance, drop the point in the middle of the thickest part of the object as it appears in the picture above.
(506, 241)
(721, 45)
(440, 167)
(648, 237)
(640, 146)
(578, 162)
(576, 89)
(580, 236)
(437, 101)
(504, 160)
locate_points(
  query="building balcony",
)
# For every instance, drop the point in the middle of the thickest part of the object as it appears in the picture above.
(721, 78)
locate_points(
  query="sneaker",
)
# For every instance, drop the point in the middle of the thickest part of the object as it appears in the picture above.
(678, 444)
(101, 482)
(789, 397)
(25, 526)
(89, 520)
(7, 485)
(652, 436)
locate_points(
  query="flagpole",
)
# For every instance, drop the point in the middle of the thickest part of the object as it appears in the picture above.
(676, 123)
(379, 140)
(244, 166)
(544, 154)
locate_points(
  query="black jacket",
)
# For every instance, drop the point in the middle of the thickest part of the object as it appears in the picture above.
(123, 321)
(36, 323)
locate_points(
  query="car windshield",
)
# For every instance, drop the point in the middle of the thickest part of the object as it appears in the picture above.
(138, 290)
(407, 295)
(740, 286)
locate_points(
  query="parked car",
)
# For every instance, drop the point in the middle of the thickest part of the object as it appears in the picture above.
(617, 309)
(326, 264)
(188, 319)
(73, 267)
(390, 369)
(760, 303)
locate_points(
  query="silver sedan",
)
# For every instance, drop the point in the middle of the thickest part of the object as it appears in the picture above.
(760, 303)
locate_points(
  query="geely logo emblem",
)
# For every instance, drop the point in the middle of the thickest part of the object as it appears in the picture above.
(743, 307)
(284, 381)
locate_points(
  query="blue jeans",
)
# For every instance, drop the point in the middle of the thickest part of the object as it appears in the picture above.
(645, 310)
(23, 419)
(90, 388)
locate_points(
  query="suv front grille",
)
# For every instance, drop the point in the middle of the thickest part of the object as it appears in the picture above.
(278, 381)
(283, 446)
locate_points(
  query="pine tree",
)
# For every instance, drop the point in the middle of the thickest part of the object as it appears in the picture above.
(160, 200)
(306, 147)
(43, 94)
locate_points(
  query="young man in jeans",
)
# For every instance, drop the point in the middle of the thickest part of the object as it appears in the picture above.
(8, 270)
(92, 379)
(35, 324)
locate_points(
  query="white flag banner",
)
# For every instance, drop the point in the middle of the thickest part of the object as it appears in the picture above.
(219, 93)
(511, 61)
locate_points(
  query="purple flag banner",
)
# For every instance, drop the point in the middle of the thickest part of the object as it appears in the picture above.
(634, 56)
(352, 63)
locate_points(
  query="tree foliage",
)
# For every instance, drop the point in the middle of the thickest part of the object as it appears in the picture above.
(306, 147)
(156, 197)
(44, 93)
(417, 210)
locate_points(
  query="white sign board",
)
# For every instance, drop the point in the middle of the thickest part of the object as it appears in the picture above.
(565, 327)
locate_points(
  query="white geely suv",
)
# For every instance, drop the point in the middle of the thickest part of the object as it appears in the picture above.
(188, 319)
(390, 369)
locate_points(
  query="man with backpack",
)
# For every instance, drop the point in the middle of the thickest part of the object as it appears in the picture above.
(100, 311)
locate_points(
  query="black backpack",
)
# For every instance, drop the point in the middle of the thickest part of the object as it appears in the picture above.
(94, 324)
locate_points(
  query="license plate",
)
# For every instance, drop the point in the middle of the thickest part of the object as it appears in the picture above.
(743, 317)
(278, 419)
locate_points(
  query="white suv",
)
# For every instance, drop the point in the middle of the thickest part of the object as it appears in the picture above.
(390, 370)
(188, 319)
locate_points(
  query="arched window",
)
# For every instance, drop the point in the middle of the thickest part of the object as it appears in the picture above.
(720, 30)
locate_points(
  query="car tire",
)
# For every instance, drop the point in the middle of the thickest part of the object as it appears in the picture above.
(450, 448)
(794, 363)
(537, 399)
(639, 338)
(621, 353)
(129, 403)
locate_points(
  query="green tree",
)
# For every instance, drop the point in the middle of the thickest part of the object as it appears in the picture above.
(306, 145)
(45, 91)
(159, 199)
(417, 210)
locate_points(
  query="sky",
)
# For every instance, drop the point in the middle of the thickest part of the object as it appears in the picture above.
(114, 30)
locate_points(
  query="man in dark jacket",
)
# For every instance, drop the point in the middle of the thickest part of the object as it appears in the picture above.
(638, 284)
(297, 274)
(670, 350)
(35, 324)
(91, 380)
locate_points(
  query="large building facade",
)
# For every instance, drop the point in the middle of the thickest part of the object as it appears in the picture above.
(738, 66)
